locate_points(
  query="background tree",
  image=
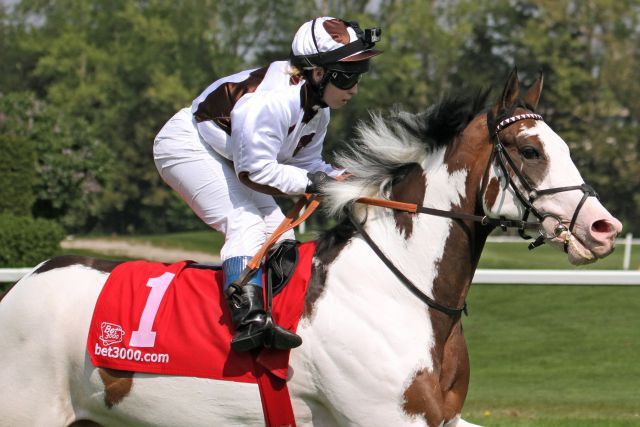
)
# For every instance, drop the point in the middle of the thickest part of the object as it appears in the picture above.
(24, 240)
(104, 76)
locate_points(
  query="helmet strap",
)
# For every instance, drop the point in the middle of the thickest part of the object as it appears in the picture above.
(317, 87)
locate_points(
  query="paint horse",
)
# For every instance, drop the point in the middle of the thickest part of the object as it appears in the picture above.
(383, 341)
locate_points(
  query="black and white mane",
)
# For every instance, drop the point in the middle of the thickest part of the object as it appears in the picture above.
(384, 146)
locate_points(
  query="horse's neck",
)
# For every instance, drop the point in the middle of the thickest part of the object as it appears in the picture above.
(439, 255)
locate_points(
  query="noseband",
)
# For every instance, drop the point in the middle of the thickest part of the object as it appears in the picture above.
(505, 162)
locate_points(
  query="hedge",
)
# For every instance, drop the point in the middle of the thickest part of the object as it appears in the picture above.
(17, 174)
(25, 241)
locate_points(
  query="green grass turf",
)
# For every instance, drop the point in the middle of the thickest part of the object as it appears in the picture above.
(554, 355)
(517, 255)
(203, 241)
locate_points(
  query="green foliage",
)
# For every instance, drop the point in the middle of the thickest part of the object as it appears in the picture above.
(71, 164)
(17, 174)
(105, 76)
(24, 241)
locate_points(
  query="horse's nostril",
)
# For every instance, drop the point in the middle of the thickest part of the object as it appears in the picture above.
(602, 226)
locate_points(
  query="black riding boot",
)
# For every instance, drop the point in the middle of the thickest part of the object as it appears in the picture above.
(253, 327)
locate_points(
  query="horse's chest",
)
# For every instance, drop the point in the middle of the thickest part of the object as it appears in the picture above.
(366, 346)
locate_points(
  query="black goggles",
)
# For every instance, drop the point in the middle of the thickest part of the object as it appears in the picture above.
(343, 80)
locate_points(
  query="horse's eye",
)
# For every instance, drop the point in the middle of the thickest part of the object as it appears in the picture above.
(529, 153)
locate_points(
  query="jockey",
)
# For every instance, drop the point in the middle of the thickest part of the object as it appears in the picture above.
(259, 133)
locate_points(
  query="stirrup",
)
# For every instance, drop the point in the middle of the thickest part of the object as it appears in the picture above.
(242, 343)
(278, 337)
(267, 335)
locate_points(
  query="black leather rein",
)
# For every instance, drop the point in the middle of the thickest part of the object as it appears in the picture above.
(404, 279)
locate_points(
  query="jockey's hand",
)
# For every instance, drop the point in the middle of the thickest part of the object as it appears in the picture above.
(317, 180)
(345, 175)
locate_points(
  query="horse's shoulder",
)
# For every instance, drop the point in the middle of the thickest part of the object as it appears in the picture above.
(103, 265)
(328, 247)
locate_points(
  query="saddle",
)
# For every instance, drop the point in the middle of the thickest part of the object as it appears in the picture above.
(279, 265)
(147, 310)
(173, 320)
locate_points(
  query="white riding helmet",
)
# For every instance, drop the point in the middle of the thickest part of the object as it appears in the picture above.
(334, 44)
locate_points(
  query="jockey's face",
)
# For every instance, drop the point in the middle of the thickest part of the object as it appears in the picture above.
(337, 98)
(333, 96)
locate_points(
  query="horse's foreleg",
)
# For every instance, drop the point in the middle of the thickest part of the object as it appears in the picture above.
(454, 378)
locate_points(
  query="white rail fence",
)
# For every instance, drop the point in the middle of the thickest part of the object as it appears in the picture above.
(521, 277)
(623, 277)
(558, 277)
(12, 274)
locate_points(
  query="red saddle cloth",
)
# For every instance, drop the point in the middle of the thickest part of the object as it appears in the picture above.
(173, 320)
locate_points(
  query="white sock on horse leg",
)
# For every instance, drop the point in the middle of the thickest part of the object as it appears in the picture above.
(459, 422)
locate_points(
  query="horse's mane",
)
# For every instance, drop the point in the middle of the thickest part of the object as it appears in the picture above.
(385, 145)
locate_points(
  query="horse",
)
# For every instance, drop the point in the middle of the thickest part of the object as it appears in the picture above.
(383, 343)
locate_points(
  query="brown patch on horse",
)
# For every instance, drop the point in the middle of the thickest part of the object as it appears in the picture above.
(534, 170)
(491, 194)
(421, 398)
(438, 396)
(106, 266)
(461, 153)
(117, 385)
(409, 187)
(454, 374)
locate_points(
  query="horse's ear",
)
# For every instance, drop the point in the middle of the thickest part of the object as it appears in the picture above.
(533, 94)
(510, 93)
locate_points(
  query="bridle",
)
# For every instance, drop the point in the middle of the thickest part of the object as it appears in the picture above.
(505, 162)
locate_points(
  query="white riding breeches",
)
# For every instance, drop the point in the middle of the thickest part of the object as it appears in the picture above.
(208, 183)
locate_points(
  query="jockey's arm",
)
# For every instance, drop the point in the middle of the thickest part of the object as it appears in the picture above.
(261, 188)
(310, 159)
(257, 138)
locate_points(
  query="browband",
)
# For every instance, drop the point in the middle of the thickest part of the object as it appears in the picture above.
(508, 121)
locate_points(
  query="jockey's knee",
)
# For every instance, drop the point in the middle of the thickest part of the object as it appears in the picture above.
(244, 237)
(289, 235)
